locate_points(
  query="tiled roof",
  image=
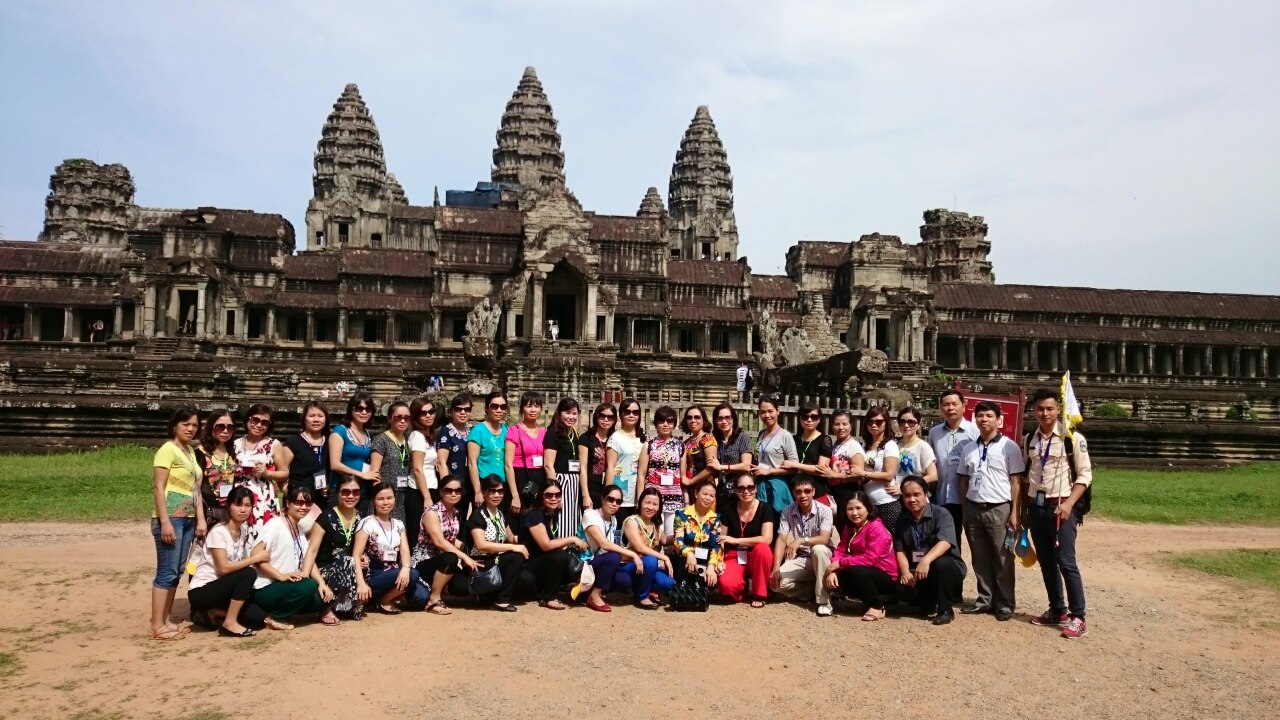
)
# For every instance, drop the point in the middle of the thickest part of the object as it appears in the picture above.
(773, 287)
(61, 297)
(1106, 333)
(1150, 303)
(387, 263)
(306, 300)
(312, 266)
(821, 253)
(27, 257)
(705, 272)
(412, 212)
(382, 301)
(481, 220)
(259, 295)
(626, 228)
(713, 313)
(651, 308)
(245, 223)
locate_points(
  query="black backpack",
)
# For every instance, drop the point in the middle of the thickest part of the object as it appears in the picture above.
(1085, 503)
(750, 382)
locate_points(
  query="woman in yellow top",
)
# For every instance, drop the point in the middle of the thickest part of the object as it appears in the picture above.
(697, 535)
(174, 522)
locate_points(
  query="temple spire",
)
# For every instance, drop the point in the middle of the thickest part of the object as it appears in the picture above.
(528, 144)
(651, 205)
(700, 196)
(349, 153)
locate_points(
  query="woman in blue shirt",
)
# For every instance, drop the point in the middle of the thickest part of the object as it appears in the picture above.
(486, 447)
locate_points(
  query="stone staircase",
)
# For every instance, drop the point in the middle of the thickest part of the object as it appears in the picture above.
(132, 385)
(906, 368)
(157, 349)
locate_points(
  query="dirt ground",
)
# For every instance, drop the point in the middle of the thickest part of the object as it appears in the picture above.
(1163, 643)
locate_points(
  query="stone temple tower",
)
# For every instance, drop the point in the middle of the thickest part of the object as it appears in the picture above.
(956, 247)
(528, 151)
(700, 197)
(352, 190)
(89, 203)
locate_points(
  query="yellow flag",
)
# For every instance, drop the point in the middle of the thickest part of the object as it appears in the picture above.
(1070, 405)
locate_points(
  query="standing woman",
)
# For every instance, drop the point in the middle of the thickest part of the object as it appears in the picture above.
(282, 588)
(174, 522)
(523, 461)
(218, 465)
(493, 542)
(350, 447)
(390, 457)
(775, 447)
(381, 540)
(559, 455)
(592, 451)
(653, 574)
(844, 473)
(626, 455)
(306, 455)
(451, 450)
(440, 553)
(746, 531)
(701, 459)
(864, 566)
(665, 458)
(814, 450)
(549, 547)
(697, 536)
(733, 448)
(330, 545)
(881, 466)
(486, 443)
(261, 466)
(915, 456)
(424, 490)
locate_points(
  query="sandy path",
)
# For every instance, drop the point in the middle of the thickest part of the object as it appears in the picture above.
(1163, 644)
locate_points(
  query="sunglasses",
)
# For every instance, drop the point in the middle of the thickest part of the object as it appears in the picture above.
(304, 503)
(555, 494)
(607, 416)
(496, 491)
(613, 500)
(257, 421)
(745, 488)
(362, 408)
(497, 406)
(665, 421)
(349, 492)
(908, 423)
(802, 491)
(692, 417)
(875, 422)
(424, 413)
(399, 418)
(630, 412)
(812, 416)
(465, 409)
(724, 418)
(451, 491)
(224, 427)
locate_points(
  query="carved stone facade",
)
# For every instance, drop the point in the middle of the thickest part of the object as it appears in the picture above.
(388, 293)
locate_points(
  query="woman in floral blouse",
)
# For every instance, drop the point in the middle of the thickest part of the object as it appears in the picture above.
(665, 459)
(330, 544)
(439, 553)
(219, 465)
(259, 459)
(701, 452)
(697, 535)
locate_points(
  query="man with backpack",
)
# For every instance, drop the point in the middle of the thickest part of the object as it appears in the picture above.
(1059, 475)
(743, 381)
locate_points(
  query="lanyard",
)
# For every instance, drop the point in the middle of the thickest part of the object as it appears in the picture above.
(1044, 454)
(764, 441)
(499, 530)
(918, 532)
(391, 533)
(297, 543)
(348, 531)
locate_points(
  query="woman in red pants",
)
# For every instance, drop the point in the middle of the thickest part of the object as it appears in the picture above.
(746, 532)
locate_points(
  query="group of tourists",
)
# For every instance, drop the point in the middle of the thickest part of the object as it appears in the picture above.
(338, 519)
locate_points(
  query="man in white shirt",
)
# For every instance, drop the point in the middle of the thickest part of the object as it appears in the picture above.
(948, 440)
(990, 479)
(744, 372)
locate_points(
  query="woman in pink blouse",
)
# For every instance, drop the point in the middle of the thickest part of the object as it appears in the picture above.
(524, 444)
(864, 566)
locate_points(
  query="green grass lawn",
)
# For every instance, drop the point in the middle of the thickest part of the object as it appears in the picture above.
(1256, 567)
(1246, 495)
(110, 484)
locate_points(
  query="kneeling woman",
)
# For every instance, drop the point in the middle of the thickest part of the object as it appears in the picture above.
(381, 539)
(222, 587)
(329, 548)
(653, 573)
(439, 552)
(601, 529)
(548, 553)
(491, 543)
(746, 530)
(864, 567)
(697, 535)
(282, 589)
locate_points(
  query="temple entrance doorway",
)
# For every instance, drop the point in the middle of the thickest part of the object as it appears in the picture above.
(564, 292)
(186, 312)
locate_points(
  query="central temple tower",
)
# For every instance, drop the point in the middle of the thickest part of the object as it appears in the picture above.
(700, 197)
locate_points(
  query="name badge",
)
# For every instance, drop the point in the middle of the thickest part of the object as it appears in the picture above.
(742, 557)
(917, 556)
(535, 461)
(224, 489)
(321, 481)
(574, 466)
(365, 467)
(390, 555)
(402, 481)
(248, 461)
(666, 479)
(701, 553)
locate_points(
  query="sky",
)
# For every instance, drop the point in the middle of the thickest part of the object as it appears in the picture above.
(1131, 144)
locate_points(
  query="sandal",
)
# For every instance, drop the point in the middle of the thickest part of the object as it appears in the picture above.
(438, 608)
(873, 614)
(757, 603)
(554, 604)
(169, 633)
(224, 632)
(330, 619)
(647, 604)
(275, 624)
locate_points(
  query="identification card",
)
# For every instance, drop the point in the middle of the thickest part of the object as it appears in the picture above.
(666, 479)
(402, 481)
(917, 556)
(365, 467)
(535, 461)
(742, 557)
(321, 481)
(248, 461)
(573, 466)
(701, 553)
(224, 489)
(391, 555)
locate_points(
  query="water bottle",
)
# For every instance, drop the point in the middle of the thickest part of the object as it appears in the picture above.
(1009, 539)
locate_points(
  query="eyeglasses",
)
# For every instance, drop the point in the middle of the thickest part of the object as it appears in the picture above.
(224, 427)
(812, 416)
(630, 412)
(257, 421)
(466, 409)
(612, 500)
(802, 491)
(497, 406)
(362, 409)
(349, 492)
(692, 417)
(555, 494)
(424, 413)
(451, 491)
(745, 488)
(908, 422)
(496, 491)
(724, 418)
(304, 503)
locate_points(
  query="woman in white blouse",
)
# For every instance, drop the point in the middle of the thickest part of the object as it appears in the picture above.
(381, 539)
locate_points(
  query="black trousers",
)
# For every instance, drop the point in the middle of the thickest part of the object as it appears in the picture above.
(413, 507)
(941, 590)
(549, 570)
(871, 585)
(509, 565)
(446, 563)
(218, 594)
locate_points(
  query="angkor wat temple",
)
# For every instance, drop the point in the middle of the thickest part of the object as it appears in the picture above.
(216, 305)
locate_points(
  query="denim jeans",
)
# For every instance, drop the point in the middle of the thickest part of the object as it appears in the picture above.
(171, 559)
(384, 581)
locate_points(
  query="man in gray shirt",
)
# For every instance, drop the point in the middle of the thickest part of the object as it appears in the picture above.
(948, 440)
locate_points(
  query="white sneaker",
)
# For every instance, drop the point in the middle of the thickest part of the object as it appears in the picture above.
(824, 610)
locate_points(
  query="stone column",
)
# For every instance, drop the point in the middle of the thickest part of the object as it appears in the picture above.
(1064, 358)
(342, 328)
(1207, 368)
(435, 328)
(933, 346)
(535, 329)
(139, 311)
(148, 327)
(969, 347)
(311, 328)
(1004, 353)
(270, 334)
(200, 310)
(1178, 365)
(589, 322)
(750, 335)
(1265, 362)
(1151, 359)
(608, 327)
(871, 330)
(706, 338)
(1236, 370)
(1034, 346)
(389, 338)
(917, 338)
(664, 332)
(1091, 362)
(117, 320)
(631, 334)
(68, 325)
(510, 331)
(1124, 368)
(173, 312)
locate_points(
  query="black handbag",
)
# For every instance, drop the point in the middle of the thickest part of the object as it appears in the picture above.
(530, 486)
(689, 595)
(484, 581)
(575, 566)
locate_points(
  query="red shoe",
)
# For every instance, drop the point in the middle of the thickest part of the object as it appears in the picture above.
(1076, 628)
(602, 607)
(1049, 618)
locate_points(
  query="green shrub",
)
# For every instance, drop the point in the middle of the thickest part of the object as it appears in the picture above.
(1110, 409)
(1242, 412)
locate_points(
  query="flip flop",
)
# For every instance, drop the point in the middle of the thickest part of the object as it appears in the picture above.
(558, 605)
(275, 624)
(757, 604)
(873, 615)
(168, 634)
(393, 610)
(330, 619)
(438, 608)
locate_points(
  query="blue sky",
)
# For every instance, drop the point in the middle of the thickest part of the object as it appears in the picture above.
(1131, 144)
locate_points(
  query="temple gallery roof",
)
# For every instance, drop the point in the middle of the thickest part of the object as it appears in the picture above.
(772, 287)
(1149, 303)
(30, 257)
(705, 272)
(1055, 332)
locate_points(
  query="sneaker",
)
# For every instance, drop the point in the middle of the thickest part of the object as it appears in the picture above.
(1075, 629)
(824, 610)
(1049, 617)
